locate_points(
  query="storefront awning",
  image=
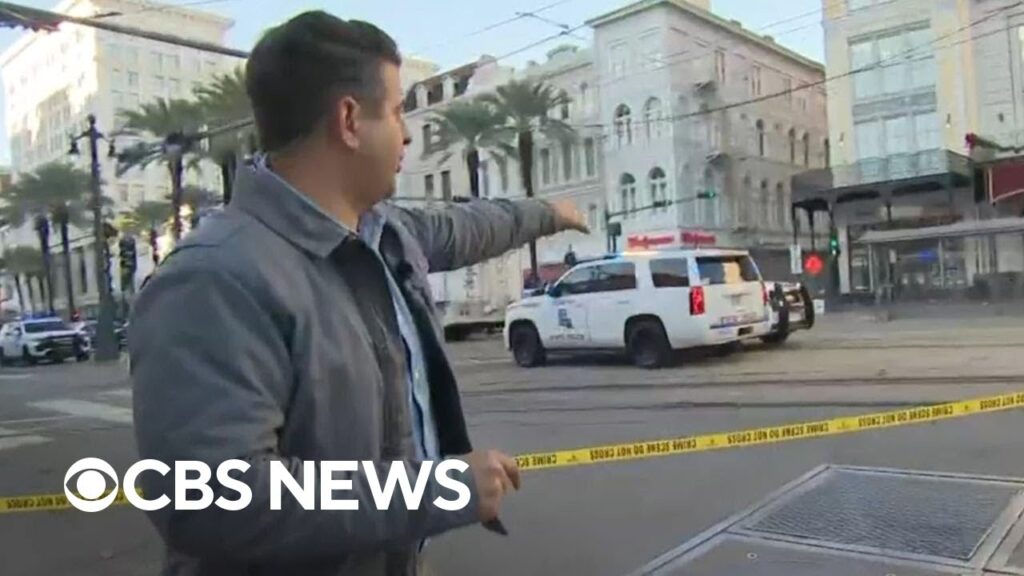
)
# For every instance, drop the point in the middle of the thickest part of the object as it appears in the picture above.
(957, 230)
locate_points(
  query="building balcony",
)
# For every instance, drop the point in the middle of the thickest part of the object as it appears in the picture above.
(882, 178)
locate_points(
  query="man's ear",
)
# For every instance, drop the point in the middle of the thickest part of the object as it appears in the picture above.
(347, 118)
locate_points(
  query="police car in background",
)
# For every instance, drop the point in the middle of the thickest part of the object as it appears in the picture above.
(31, 340)
(646, 303)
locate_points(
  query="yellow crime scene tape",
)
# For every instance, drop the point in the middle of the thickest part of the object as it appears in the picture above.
(674, 446)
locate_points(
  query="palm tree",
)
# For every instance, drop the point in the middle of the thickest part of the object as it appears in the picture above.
(224, 100)
(474, 126)
(22, 261)
(64, 192)
(31, 199)
(169, 120)
(147, 218)
(526, 104)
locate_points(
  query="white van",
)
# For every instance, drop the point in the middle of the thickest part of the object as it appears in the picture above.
(646, 303)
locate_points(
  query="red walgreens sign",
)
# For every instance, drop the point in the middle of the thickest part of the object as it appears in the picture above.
(1005, 181)
(683, 238)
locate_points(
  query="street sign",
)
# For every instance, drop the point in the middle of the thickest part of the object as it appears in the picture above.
(813, 264)
(796, 260)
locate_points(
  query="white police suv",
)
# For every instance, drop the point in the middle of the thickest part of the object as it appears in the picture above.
(34, 339)
(646, 303)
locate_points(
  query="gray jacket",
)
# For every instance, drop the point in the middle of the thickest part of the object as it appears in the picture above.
(269, 334)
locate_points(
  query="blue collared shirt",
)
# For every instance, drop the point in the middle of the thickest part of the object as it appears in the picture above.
(424, 429)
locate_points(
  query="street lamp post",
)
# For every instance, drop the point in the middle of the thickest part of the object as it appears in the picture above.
(106, 346)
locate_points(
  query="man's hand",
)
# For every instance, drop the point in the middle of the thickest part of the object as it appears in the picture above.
(495, 475)
(568, 217)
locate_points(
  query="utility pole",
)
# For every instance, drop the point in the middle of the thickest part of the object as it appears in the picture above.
(106, 347)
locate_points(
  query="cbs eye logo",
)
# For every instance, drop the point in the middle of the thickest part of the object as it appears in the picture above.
(90, 493)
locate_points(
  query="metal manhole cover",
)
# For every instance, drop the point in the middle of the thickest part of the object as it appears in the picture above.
(900, 513)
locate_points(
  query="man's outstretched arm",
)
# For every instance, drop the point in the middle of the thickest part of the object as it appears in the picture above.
(212, 381)
(464, 234)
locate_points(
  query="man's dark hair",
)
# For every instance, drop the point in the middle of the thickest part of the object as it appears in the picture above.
(299, 69)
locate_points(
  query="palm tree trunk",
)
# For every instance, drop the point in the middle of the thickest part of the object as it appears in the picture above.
(42, 226)
(65, 246)
(525, 144)
(227, 176)
(153, 246)
(176, 171)
(21, 296)
(473, 166)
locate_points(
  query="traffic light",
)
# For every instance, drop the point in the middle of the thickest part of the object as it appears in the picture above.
(127, 254)
(708, 194)
(833, 244)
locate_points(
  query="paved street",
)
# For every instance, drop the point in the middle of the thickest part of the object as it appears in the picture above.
(603, 519)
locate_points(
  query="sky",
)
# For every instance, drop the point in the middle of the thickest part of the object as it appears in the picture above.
(452, 36)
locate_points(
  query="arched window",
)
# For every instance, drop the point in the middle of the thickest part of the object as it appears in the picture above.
(807, 149)
(710, 204)
(760, 138)
(652, 118)
(564, 99)
(738, 203)
(627, 193)
(764, 205)
(781, 205)
(657, 185)
(623, 125)
(792, 145)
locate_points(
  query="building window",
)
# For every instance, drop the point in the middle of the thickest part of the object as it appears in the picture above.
(158, 61)
(755, 81)
(652, 118)
(720, 66)
(827, 158)
(781, 205)
(627, 194)
(657, 185)
(787, 89)
(623, 125)
(426, 133)
(446, 184)
(710, 205)
(175, 62)
(764, 207)
(589, 156)
(567, 161)
(122, 190)
(592, 216)
(503, 174)
(428, 186)
(892, 63)
(563, 107)
(133, 80)
(485, 179)
(759, 127)
(807, 149)
(585, 98)
(792, 145)
(617, 59)
(545, 166)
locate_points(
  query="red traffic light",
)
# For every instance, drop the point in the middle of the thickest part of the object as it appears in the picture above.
(813, 264)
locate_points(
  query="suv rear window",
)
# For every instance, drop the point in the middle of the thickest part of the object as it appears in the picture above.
(46, 326)
(727, 269)
(669, 273)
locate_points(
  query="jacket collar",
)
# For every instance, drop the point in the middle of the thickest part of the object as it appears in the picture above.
(264, 195)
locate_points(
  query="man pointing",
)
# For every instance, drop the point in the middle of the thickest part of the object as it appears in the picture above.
(298, 324)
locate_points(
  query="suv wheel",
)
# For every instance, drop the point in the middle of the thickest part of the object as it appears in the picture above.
(648, 345)
(27, 357)
(527, 348)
